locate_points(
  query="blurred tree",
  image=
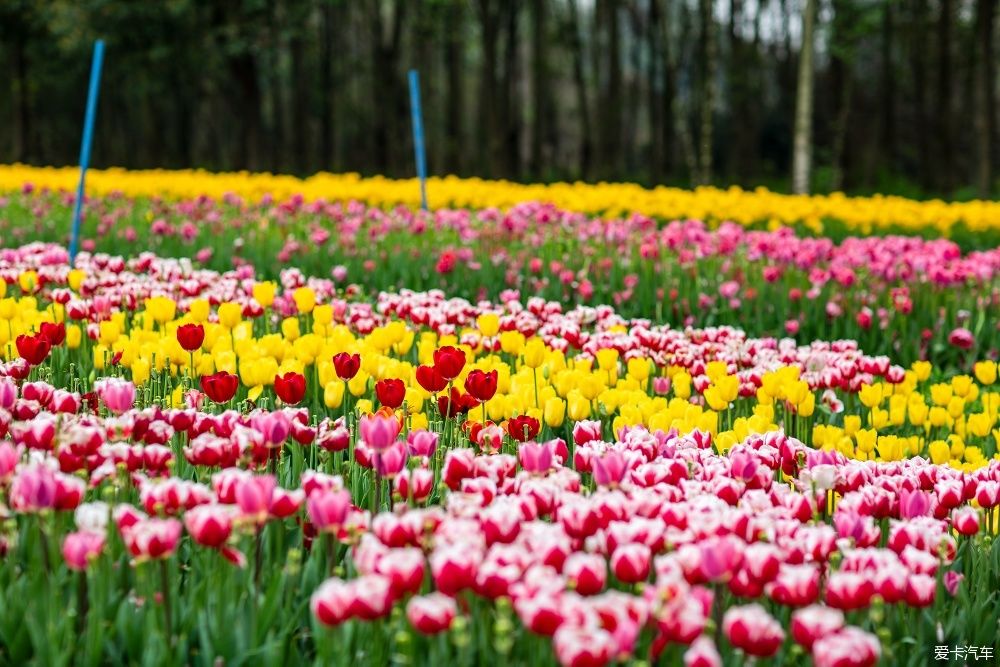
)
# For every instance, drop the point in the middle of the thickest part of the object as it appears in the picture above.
(655, 91)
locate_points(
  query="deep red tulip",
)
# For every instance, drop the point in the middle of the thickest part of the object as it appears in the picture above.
(346, 365)
(220, 387)
(481, 385)
(457, 404)
(290, 387)
(191, 336)
(449, 362)
(34, 348)
(429, 378)
(55, 333)
(390, 392)
(523, 428)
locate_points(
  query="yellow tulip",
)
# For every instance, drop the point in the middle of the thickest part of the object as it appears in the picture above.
(230, 314)
(305, 299)
(263, 293)
(333, 394)
(555, 412)
(986, 372)
(488, 324)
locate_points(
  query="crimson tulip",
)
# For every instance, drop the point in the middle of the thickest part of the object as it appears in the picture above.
(290, 387)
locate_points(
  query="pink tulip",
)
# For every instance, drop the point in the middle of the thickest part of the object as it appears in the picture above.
(117, 394)
(79, 549)
(328, 509)
(586, 573)
(391, 460)
(609, 468)
(535, 457)
(378, 431)
(152, 538)
(583, 647)
(630, 563)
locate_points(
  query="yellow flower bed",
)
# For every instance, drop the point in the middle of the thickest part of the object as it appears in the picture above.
(860, 214)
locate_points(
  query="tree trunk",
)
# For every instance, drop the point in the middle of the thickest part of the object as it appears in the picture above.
(326, 92)
(655, 101)
(489, 131)
(985, 97)
(454, 104)
(944, 99)
(580, 86)
(802, 145)
(611, 100)
(539, 89)
(888, 121)
(707, 104)
(511, 103)
(22, 131)
(918, 50)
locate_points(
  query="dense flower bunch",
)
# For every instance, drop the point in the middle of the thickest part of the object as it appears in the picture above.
(205, 466)
(862, 214)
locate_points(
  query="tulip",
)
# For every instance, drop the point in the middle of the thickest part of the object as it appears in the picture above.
(431, 614)
(209, 525)
(535, 458)
(849, 647)
(379, 431)
(55, 333)
(290, 387)
(609, 469)
(630, 563)
(965, 520)
(390, 392)
(448, 362)
(331, 602)
(523, 428)
(33, 349)
(421, 443)
(390, 461)
(583, 647)
(961, 338)
(81, 548)
(702, 653)
(191, 336)
(152, 538)
(430, 379)
(812, 623)
(754, 631)
(220, 387)
(346, 365)
(481, 385)
(118, 395)
(585, 573)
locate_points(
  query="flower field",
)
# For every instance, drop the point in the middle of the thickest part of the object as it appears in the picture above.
(245, 428)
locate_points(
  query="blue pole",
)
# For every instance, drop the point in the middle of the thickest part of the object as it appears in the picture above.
(418, 135)
(88, 136)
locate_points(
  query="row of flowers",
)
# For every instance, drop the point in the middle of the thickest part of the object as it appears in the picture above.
(859, 214)
(900, 296)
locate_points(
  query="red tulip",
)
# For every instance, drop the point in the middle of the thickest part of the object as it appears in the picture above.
(33, 349)
(849, 590)
(54, 333)
(586, 573)
(290, 387)
(630, 563)
(449, 362)
(456, 404)
(431, 614)
(453, 569)
(481, 385)
(965, 521)
(523, 428)
(220, 387)
(346, 365)
(404, 568)
(577, 646)
(961, 338)
(152, 538)
(429, 378)
(810, 624)
(191, 336)
(390, 392)
(753, 630)
(209, 525)
(849, 647)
